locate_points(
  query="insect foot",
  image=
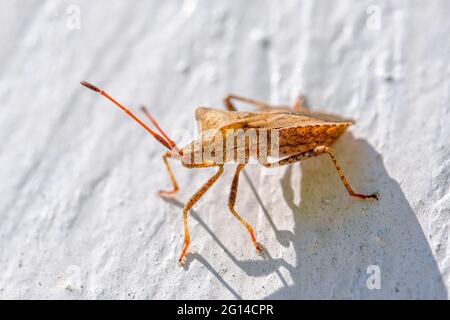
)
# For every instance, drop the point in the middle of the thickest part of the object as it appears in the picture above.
(374, 196)
(181, 259)
(181, 262)
(366, 196)
(257, 247)
(167, 194)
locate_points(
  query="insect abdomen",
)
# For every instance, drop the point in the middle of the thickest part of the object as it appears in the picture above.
(301, 139)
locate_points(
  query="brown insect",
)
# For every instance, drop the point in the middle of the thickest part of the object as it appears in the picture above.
(300, 134)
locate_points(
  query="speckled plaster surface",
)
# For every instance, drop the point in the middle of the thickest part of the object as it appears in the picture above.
(79, 218)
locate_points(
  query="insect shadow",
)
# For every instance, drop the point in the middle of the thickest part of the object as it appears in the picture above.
(336, 238)
(251, 267)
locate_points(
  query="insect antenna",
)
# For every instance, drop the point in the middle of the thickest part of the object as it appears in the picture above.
(169, 145)
(153, 121)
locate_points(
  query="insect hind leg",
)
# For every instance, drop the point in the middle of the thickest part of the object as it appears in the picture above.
(232, 202)
(317, 152)
(344, 180)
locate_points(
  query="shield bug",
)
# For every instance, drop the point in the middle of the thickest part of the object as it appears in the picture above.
(289, 133)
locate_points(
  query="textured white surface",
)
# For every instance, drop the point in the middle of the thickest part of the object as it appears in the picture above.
(79, 218)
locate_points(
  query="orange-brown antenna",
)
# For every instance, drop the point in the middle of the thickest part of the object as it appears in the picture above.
(153, 133)
(152, 120)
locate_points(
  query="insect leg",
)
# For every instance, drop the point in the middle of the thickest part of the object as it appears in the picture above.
(317, 152)
(299, 103)
(200, 192)
(295, 158)
(166, 193)
(232, 201)
(330, 152)
(259, 104)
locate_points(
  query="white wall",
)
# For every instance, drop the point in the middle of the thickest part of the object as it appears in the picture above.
(79, 218)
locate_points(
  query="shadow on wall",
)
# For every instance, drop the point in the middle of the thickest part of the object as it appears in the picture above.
(334, 245)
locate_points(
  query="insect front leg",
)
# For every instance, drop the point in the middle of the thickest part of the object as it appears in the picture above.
(232, 201)
(317, 152)
(200, 192)
(168, 193)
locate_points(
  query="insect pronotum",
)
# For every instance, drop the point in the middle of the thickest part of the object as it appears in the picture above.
(290, 133)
